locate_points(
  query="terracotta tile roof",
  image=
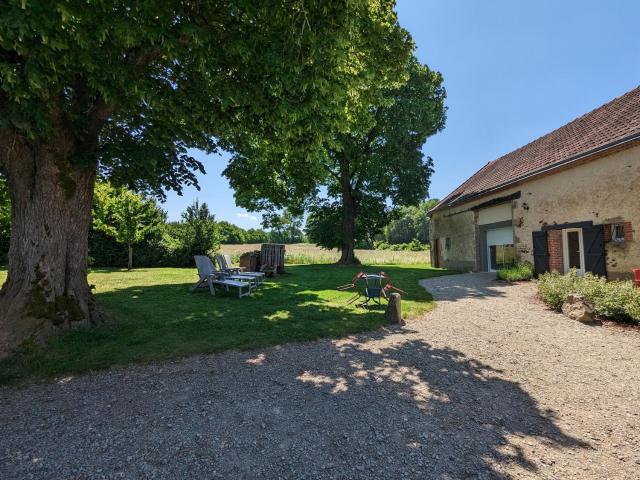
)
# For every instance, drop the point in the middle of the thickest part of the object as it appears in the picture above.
(614, 121)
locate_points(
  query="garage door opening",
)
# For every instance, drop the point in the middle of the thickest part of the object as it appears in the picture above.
(500, 249)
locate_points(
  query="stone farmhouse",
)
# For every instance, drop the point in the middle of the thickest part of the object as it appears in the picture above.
(568, 200)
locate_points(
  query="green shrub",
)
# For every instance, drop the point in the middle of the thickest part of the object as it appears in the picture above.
(553, 288)
(617, 300)
(514, 273)
(633, 309)
(413, 246)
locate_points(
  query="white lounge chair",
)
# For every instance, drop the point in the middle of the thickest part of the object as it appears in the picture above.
(210, 277)
(206, 265)
(225, 265)
(228, 262)
(224, 262)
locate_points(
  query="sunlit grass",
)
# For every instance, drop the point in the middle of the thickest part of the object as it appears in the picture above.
(305, 253)
(156, 317)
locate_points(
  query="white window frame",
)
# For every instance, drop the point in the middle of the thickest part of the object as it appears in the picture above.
(615, 226)
(565, 250)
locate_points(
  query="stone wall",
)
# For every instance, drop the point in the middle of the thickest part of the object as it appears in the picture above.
(456, 234)
(604, 191)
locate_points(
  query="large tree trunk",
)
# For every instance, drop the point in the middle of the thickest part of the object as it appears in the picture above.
(348, 256)
(130, 262)
(46, 289)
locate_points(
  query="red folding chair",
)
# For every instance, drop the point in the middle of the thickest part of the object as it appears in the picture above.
(636, 277)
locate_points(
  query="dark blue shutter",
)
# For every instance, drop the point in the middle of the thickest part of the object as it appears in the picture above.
(594, 254)
(540, 252)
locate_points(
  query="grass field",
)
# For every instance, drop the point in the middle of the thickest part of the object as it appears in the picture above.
(306, 253)
(156, 317)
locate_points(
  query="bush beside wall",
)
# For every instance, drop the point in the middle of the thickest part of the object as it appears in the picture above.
(616, 300)
(515, 273)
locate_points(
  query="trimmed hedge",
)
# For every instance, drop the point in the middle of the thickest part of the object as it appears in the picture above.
(515, 273)
(616, 300)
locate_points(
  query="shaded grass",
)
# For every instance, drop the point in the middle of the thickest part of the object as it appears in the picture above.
(156, 317)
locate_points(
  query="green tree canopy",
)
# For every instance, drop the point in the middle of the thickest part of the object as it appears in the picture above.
(285, 227)
(126, 89)
(198, 232)
(230, 233)
(139, 83)
(257, 235)
(366, 173)
(126, 216)
(410, 222)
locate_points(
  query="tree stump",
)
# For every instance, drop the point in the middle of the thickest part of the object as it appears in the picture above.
(393, 314)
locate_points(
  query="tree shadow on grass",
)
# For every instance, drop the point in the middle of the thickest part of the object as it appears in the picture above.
(155, 320)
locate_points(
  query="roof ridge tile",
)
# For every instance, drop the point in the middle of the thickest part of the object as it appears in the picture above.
(615, 120)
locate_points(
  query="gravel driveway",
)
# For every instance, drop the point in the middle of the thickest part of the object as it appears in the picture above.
(488, 385)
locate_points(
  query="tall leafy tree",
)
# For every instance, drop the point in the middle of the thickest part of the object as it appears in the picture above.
(198, 233)
(367, 172)
(409, 223)
(232, 234)
(124, 89)
(401, 229)
(126, 216)
(285, 227)
(257, 235)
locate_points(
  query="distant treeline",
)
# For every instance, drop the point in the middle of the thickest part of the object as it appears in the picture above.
(131, 230)
(125, 222)
(168, 244)
(286, 232)
(409, 225)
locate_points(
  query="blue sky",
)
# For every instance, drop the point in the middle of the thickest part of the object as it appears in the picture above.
(513, 71)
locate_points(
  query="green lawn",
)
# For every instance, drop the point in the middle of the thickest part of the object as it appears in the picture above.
(156, 317)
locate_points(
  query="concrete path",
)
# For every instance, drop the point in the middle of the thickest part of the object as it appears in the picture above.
(489, 385)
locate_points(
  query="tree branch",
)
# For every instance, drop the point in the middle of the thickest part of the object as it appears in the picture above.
(11, 56)
(366, 150)
(97, 117)
(358, 184)
(329, 169)
(4, 100)
(140, 58)
(368, 141)
(331, 172)
(98, 110)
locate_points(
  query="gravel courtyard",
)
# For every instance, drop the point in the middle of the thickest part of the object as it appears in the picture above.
(489, 385)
